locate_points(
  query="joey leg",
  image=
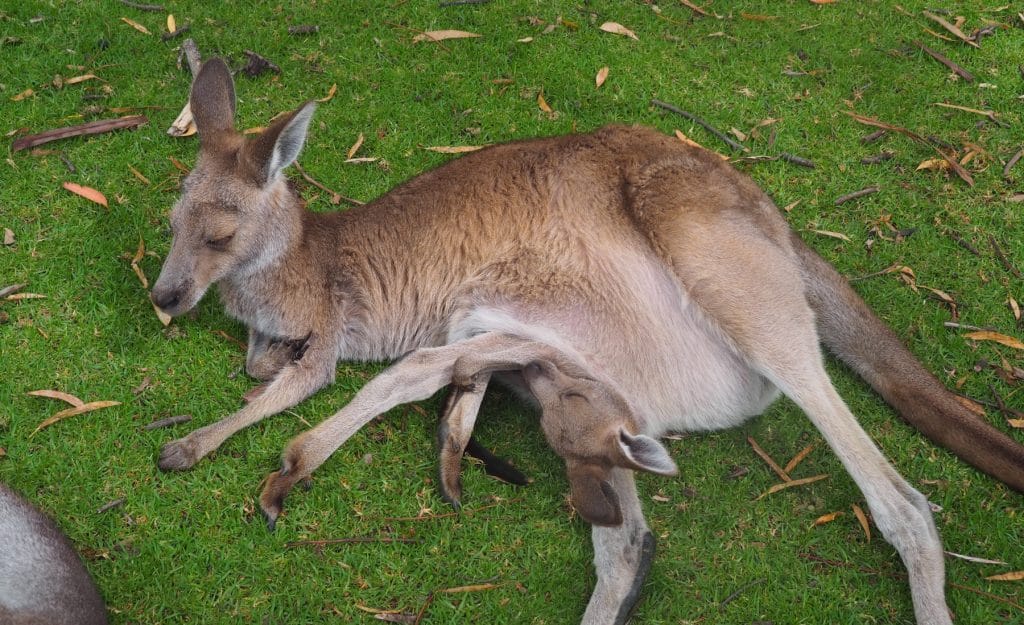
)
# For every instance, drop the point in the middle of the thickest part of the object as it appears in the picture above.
(622, 558)
(295, 382)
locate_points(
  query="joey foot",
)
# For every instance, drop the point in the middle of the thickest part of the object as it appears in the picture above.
(178, 455)
(278, 484)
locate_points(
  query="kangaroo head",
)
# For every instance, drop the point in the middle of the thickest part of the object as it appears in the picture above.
(236, 213)
(589, 425)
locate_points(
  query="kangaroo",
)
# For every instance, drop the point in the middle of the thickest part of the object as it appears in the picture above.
(669, 275)
(42, 580)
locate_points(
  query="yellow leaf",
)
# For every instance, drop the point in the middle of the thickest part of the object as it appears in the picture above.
(87, 192)
(137, 26)
(1015, 576)
(602, 75)
(785, 485)
(524, 40)
(933, 163)
(618, 29)
(1002, 339)
(74, 80)
(863, 518)
(70, 412)
(66, 397)
(1014, 308)
(441, 35)
(829, 233)
(139, 253)
(826, 518)
(454, 149)
(171, 24)
(355, 147)
(28, 93)
(542, 103)
(1016, 423)
(330, 93)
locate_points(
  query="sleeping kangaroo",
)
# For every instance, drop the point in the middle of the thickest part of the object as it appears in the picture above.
(42, 581)
(668, 276)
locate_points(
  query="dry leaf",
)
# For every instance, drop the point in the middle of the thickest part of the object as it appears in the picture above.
(973, 558)
(1002, 339)
(77, 79)
(70, 412)
(826, 518)
(9, 239)
(1014, 306)
(660, 498)
(3, 452)
(469, 588)
(688, 141)
(863, 518)
(137, 26)
(829, 233)
(1016, 423)
(542, 103)
(65, 397)
(138, 174)
(355, 147)
(524, 40)
(161, 315)
(797, 459)
(758, 18)
(951, 28)
(441, 35)
(933, 163)
(602, 75)
(618, 29)
(21, 296)
(24, 94)
(330, 94)
(362, 159)
(971, 405)
(139, 253)
(454, 149)
(823, 1)
(785, 485)
(171, 24)
(1015, 576)
(87, 192)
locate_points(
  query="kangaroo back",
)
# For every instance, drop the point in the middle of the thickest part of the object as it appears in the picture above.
(860, 339)
(42, 581)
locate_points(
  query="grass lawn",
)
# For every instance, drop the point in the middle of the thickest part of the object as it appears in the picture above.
(191, 548)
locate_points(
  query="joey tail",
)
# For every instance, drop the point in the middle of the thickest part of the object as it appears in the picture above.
(860, 339)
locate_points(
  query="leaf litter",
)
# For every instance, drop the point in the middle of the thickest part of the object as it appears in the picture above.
(77, 407)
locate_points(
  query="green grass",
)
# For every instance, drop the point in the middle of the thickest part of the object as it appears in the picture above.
(187, 548)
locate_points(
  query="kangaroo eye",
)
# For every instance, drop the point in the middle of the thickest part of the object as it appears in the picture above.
(574, 395)
(219, 244)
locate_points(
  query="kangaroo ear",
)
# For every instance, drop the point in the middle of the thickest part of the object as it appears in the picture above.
(643, 453)
(593, 496)
(279, 145)
(213, 100)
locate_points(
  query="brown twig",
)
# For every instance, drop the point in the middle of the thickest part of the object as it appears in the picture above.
(303, 29)
(90, 128)
(874, 160)
(1002, 257)
(796, 160)
(227, 337)
(700, 122)
(10, 290)
(738, 591)
(349, 541)
(176, 33)
(769, 460)
(110, 505)
(874, 136)
(169, 421)
(964, 243)
(154, 8)
(1013, 161)
(423, 609)
(335, 197)
(963, 73)
(842, 199)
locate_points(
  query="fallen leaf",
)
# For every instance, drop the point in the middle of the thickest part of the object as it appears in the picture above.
(441, 35)
(355, 146)
(9, 237)
(171, 24)
(71, 412)
(693, 7)
(28, 93)
(863, 518)
(971, 405)
(77, 79)
(454, 149)
(184, 125)
(137, 26)
(87, 192)
(974, 559)
(797, 459)
(1014, 306)
(660, 498)
(139, 253)
(20, 296)
(3, 452)
(330, 94)
(826, 518)
(542, 103)
(1002, 339)
(785, 485)
(65, 397)
(933, 163)
(161, 315)
(524, 40)
(1016, 423)
(618, 29)
(362, 159)
(1015, 576)
(829, 233)
(688, 141)
(602, 75)
(138, 174)
(951, 28)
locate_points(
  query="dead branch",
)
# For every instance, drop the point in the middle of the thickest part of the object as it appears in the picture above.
(176, 33)
(796, 160)
(964, 243)
(874, 160)
(1003, 260)
(303, 29)
(856, 194)
(875, 136)
(1013, 161)
(91, 128)
(110, 505)
(963, 73)
(349, 541)
(700, 122)
(169, 421)
(154, 8)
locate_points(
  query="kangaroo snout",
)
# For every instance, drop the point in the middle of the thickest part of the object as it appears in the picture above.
(166, 299)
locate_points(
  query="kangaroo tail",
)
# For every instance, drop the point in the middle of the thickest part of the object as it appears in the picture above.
(860, 339)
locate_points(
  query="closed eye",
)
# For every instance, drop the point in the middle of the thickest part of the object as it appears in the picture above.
(220, 243)
(574, 395)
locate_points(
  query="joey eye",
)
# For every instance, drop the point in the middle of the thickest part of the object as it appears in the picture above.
(219, 243)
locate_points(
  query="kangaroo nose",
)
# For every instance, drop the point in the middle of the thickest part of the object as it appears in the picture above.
(166, 300)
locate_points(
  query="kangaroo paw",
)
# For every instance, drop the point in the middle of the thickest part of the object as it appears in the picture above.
(178, 455)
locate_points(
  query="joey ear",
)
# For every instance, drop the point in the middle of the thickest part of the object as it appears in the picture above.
(279, 145)
(213, 99)
(643, 453)
(593, 496)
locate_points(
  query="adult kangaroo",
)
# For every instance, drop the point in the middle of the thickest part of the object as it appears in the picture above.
(665, 274)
